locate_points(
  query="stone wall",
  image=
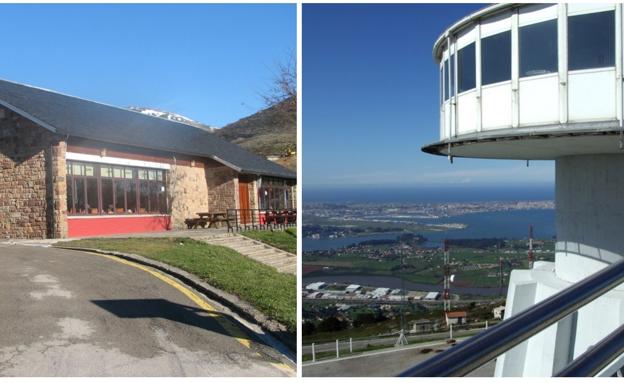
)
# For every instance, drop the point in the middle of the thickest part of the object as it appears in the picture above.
(222, 189)
(188, 193)
(32, 180)
(57, 190)
(254, 201)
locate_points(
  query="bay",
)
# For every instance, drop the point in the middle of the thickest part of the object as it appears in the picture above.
(512, 224)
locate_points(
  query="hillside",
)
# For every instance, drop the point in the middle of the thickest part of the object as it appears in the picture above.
(269, 132)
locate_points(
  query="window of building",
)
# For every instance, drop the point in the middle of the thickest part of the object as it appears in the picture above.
(591, 40)
(538, 48)
(441, 84)
(452, 76)
(446, 89)
(107, 189)
(496, 58)
(466, 68)
(274, 194)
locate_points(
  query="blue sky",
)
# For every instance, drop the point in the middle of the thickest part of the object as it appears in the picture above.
(208, 62)
(370, 101)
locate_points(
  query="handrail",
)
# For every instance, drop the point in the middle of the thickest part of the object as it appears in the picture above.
(476, 351)
(598, 357)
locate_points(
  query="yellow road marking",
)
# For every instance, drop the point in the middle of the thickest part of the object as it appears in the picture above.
(283, 367)
(227, 325)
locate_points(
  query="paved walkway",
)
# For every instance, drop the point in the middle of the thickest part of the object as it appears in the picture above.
(388, 362)
(281, 260)
(72, 313)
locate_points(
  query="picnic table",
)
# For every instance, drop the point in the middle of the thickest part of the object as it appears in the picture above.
(213, 218)
(207, 218)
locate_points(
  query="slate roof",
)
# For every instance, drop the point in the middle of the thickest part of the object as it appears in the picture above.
(73, 116)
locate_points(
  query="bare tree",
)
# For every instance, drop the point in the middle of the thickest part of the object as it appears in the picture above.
(282, 93)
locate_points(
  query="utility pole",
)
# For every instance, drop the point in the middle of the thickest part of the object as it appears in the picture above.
(530, 254)
(446, 295)
(500, 274)
(402, 341)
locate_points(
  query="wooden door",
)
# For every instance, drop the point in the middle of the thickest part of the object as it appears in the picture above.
(243, 196)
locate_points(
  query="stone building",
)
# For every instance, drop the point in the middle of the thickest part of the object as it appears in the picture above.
(72, 167)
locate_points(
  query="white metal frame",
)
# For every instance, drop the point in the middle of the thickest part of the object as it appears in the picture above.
(115, 161)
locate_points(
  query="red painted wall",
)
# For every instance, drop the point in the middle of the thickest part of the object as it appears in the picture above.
(88, 227)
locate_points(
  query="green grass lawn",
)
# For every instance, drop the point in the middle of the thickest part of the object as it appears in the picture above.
(272, 292)
(285, 240)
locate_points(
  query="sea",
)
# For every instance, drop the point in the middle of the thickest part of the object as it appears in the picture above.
(500, 224)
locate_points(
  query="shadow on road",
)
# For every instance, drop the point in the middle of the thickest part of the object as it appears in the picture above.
(162, 308)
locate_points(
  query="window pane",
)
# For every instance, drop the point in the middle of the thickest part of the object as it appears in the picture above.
(538, 48)
(120, 197)
(142, 174)
(496, 58)
(441, 85)
(70, 194)
(107, 196)
(446, 91)
(92, 196)
(452, 75)
(78, 170)
(80, 196)
(117, 172)
(466, 69)
(131, 197)
(106, 171)
(128, 173)
(154, 191)
(143, 195)
(591, 40)
(162, 198)
(68, 165)
(89, 170)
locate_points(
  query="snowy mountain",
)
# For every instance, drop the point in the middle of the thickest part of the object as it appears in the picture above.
(172, 117)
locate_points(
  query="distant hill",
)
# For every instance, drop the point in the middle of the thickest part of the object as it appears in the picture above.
(269, 132)
(172, 117)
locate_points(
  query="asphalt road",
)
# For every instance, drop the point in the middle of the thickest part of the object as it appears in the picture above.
(383, 363)
(71, 313)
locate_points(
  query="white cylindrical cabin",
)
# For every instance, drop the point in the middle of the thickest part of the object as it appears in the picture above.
(544, 82)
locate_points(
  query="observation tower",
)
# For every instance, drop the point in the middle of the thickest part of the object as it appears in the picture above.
(544, 82)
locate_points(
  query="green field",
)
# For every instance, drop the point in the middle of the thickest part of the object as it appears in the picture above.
(427, 268)
(273, 293)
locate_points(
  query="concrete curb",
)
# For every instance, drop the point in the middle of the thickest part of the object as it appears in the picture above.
(242, 308)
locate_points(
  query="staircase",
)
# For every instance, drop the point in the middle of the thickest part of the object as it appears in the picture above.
(283, 261)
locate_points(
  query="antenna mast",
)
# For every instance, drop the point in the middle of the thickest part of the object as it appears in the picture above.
(530, 254)
(447, 278)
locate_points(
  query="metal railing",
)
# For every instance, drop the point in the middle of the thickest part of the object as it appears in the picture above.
(480, 349)
(598, 357)
(260, 219)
